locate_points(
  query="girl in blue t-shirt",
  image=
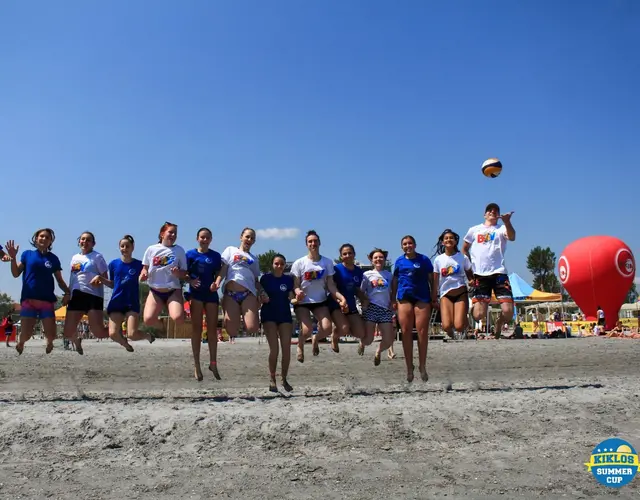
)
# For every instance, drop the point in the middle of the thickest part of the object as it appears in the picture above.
(276, 318)
(124, 305)
(348, 278)
(38, 268)
(413, 288)
(203, 266)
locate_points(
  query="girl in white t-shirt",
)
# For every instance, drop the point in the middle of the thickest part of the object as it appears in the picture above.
(88, 269)
(242, 289)
(312, 282)
(449, 269)
(163, 266)
(378, 308)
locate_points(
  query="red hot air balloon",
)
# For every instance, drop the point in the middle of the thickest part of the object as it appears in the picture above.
(598, 271)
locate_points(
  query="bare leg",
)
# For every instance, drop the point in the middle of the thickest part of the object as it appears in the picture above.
(447, 315)
(340, 329)
(115, 330)
(461, 314)
(175, 305)
(323, 317)
(196, 336)
(232, 316)
(306, 329)
(26, 331)
(407, 320)
(422, 312)
(284, 330)
(133, 328)
(152, 310)
(211, 309)
(271, 331)
(250, 314)
(356, 326)
(505, 317)
(71, 321)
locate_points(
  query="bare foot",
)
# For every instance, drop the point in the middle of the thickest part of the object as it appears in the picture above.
(287, 387)
(49, 348)
(19, 348)
(300, 355)
(197, 374)
(272, 386)
(423, 374)
(360, 349)
(78, 344)
(376, 359)
(335, 344)
(213, 368)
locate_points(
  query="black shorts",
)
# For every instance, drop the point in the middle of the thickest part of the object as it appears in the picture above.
(312, 306)
(601, 321)
(499, 284)
(456, 296)
(85, 302)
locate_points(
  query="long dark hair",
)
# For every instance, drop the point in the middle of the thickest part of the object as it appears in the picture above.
(439, 246)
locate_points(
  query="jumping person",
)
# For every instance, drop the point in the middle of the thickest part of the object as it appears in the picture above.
(164, 265)
(88, 269)
(485, 245)
(276, 319)
(313, 281)
(204, 265)
(240, 270)
(378, 313)
(413, 288)
(124, 307)
(348, 278)
(37, 299)
(451, 266)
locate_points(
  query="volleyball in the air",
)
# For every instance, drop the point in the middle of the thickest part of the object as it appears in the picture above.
(492, 168)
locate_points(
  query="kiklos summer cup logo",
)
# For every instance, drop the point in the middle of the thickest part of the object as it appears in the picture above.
(613, 463)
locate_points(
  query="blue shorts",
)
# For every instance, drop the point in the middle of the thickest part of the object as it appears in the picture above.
(407, 296)
(204, 296)
(270, 316)
(122, 308)
(334, 306)
(38, 309)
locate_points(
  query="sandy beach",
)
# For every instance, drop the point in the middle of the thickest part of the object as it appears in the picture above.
(497, 419)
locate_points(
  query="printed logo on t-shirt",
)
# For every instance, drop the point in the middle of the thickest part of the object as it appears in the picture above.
(132, 272)
(449, 270)
(47, 264)
(78, 267)
(242, 260)
(208, 260)
(283, 287)
(313, 275)
(486, 237)
(164, 260)
(416, 265)
(379, 283)
(356, 279)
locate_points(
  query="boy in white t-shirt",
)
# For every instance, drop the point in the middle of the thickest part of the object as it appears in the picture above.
(485, 245)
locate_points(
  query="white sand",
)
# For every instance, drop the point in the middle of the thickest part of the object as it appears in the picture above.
(522, 418)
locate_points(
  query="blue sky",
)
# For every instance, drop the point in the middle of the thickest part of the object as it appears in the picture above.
(365, 120)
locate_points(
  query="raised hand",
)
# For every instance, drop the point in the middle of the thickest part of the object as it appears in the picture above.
(11, 250)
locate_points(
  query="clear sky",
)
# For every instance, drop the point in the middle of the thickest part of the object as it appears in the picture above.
(365, 120)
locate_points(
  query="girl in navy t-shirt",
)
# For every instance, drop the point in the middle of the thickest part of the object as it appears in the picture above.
(412, 286)
(348, 278)
(38, 268)
(276, 319)
(203, 266)
(124, 275)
